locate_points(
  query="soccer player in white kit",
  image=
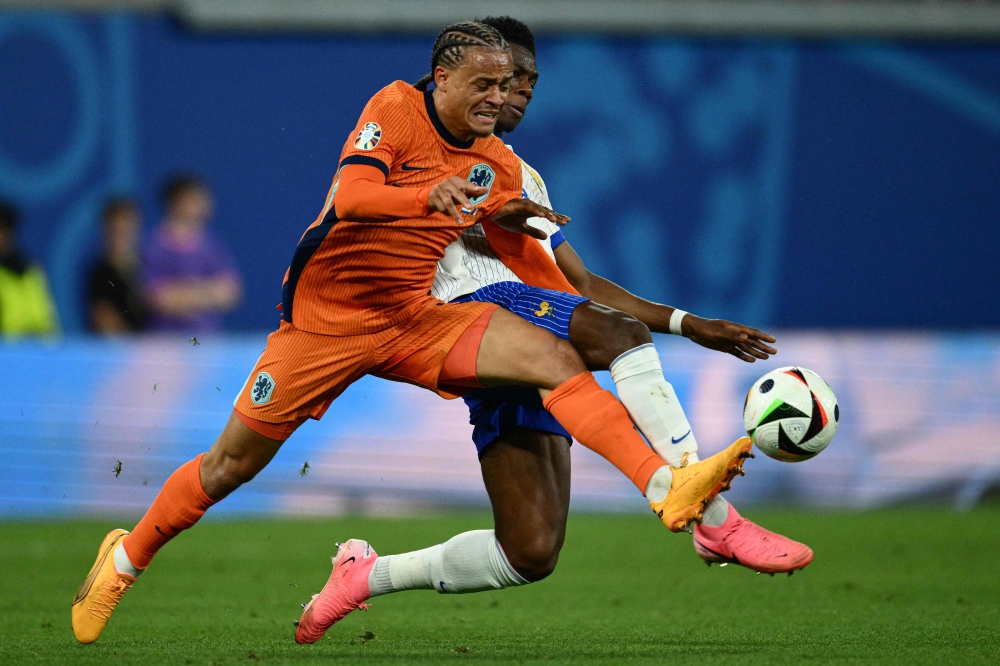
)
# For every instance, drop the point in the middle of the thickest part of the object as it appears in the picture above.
(523, 450)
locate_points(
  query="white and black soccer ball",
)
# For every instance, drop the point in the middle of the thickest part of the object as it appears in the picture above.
(791, 414)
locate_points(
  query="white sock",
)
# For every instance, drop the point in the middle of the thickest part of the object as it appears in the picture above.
(470, 562)
(659, 484)
(716, 512)
(653, 406)
(123, 564)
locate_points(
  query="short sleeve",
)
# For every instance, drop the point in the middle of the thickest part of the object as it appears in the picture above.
(383, 132)
(534, 189)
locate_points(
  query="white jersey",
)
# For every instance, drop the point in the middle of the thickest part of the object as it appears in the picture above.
(469, 263)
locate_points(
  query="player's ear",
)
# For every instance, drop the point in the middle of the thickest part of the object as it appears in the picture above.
(441, 75)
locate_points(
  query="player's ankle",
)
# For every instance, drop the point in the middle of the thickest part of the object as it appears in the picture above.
(123, 564)
(659, 484)
(716, 513)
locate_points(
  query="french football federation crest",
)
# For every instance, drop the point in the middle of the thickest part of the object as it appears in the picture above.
(368, 137)
(263, 387)
(482, 175)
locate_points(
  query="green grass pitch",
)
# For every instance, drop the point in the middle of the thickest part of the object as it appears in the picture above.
(905, 587)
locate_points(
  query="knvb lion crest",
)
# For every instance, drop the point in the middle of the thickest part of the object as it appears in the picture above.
(482, 175)
(263, 387)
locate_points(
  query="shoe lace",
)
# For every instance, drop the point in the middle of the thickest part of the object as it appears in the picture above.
(108, 596)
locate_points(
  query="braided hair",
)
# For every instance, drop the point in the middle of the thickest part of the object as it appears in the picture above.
(450, 42)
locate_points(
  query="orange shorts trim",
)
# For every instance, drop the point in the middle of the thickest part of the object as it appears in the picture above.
(301, 373)
(276, 431)
(459, 369)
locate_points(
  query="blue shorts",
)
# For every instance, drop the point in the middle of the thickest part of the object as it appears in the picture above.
(542, 307)
(493, 409)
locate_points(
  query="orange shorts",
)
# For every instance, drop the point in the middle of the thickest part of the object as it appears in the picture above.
(300, 373)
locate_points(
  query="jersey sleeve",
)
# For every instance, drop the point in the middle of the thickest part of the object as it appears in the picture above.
(506, 186)
(554, 231)
(383, 132)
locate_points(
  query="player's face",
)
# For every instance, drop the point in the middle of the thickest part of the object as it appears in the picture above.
(473, 93)
(521, 89)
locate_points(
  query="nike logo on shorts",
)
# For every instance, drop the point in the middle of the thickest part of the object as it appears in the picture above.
(681, 438)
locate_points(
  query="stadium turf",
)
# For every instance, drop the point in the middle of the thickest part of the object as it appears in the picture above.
(906, 587)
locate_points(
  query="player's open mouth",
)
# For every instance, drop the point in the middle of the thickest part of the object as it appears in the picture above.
(485, 116)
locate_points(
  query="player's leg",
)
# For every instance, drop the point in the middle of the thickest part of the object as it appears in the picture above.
(607, 338)
(475, 344)
(526, 473)
(296, 377)
(514, 350)
(527, 476)
(188, 493)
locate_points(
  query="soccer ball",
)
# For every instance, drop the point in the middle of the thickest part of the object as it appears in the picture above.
(791, 414)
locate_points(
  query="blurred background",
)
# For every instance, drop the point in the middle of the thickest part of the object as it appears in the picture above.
(827, 171)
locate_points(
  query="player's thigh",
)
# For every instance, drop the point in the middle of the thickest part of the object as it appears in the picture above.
(601, 334)
(527, 476)
(298, 376)
(514, 351)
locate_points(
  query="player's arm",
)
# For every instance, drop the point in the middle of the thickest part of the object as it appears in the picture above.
(743, 342)
(363, 196)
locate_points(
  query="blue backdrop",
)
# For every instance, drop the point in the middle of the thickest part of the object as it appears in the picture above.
(796, 185)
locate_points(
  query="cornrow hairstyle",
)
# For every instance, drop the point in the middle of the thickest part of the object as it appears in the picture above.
(451, 41)
(514, 31)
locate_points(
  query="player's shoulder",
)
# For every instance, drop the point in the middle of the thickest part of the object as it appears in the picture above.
(397, 92)
(530, 176)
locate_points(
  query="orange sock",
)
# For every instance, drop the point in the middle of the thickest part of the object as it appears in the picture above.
(181, 503)
(593, 416)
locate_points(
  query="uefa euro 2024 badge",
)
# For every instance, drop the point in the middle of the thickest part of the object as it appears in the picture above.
(368, 137)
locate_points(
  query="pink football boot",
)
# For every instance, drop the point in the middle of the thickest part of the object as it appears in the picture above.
(745, 543)
(346, 590)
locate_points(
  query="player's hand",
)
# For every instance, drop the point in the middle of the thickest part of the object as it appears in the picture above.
(515, 214)
(745, 343)
(452, 195)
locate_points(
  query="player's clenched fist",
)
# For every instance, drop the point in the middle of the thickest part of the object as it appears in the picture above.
(452, 195)
(515, 214)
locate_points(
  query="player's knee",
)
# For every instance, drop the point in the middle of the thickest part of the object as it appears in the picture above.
(536, 558)
(626, 332)
(225, 474)
(621, 333)
(564, 361)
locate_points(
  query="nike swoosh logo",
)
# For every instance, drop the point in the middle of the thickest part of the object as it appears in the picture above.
(681, 439)
(407, 167)
(349, 559)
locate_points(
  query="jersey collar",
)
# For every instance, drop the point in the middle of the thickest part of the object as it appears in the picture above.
(439, 126)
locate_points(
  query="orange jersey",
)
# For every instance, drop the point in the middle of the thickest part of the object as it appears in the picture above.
(349, 277)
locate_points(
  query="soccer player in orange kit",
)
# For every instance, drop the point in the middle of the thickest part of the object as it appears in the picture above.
(421, 167)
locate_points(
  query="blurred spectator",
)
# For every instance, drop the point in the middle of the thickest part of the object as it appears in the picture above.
(26, 306)
(114, 295)
(190, 277)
